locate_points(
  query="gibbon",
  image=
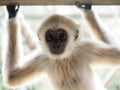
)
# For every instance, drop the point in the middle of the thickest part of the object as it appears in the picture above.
(64, 56)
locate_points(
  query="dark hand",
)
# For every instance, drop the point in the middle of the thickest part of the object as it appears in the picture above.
(12, 10)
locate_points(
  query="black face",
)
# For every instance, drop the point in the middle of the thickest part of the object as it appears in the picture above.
(56, 40)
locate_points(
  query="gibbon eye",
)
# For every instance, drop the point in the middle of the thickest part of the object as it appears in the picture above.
(62, 37)
(49, 37)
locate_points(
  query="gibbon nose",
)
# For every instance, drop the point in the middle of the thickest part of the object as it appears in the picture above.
(55, 45)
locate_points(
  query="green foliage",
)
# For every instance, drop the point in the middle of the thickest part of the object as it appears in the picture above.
(114, 83)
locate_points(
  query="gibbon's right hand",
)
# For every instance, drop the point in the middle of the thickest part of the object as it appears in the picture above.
(12, 10)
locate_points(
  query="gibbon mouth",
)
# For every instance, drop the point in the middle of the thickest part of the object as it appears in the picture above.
(57, 51)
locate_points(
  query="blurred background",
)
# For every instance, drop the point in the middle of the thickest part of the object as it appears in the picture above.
(110, 16)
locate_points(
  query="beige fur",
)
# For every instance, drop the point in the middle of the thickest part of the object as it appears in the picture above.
(69, 71)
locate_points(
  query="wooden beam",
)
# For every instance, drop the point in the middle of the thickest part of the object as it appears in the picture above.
(59, 2)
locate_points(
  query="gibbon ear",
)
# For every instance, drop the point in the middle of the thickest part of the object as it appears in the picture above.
(76, 34)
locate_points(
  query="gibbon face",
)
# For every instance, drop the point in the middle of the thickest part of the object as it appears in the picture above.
(56, 40)
(58, 35)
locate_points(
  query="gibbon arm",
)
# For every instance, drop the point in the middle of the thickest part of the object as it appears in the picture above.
(99, 53)
(108, 53)
(90, 17)
(14, 75)
(100, 31)
(28, 34)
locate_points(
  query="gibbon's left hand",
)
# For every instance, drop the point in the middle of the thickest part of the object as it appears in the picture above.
(12, 10)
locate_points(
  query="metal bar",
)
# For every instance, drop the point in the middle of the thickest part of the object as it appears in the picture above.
(59, 2)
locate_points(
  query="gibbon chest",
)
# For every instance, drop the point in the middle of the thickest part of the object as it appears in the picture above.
(71, 75)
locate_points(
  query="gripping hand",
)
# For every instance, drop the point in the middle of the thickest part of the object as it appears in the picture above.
(12, 10)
